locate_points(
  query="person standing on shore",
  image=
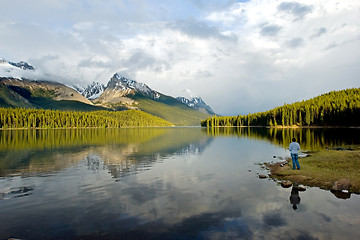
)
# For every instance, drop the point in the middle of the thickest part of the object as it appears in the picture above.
(294, 152)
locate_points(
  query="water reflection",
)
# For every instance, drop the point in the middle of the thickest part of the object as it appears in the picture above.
(309, 138)
(121, 161)
(341, 194)
(68, 138)
(120, 151)
(175, 183)
(16, 192)
(294, 197)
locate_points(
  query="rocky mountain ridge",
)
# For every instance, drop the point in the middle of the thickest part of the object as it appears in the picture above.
(22, 65)
(56, 91)
(92, 91)
(197, 103)
(119, 86)
(120, 93)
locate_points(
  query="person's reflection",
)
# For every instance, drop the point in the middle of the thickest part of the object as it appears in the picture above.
(294, 197)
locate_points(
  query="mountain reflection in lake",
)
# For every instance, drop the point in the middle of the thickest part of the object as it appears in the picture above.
(164, 183)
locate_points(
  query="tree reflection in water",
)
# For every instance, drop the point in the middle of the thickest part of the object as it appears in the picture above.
(311, 139)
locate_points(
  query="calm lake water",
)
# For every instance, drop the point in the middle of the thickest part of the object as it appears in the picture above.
(164, 183)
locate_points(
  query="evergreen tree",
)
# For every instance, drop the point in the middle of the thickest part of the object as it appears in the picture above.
(340, 108)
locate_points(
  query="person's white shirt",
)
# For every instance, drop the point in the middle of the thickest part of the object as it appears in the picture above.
(294, 147)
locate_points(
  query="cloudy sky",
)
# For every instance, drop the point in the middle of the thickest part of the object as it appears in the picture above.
(239, 56)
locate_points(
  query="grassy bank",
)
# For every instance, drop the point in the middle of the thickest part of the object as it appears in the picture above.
(322, 169)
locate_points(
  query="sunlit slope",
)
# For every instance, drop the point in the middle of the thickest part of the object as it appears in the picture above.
(171, 110)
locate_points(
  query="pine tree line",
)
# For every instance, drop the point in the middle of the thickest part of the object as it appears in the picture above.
(40, 118)
(336, 108)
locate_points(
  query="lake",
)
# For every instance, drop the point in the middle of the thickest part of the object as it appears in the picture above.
(164, 183)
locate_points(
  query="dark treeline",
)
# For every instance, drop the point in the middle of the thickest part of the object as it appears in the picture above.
(39, 118)
(313, 139)
(336, 108)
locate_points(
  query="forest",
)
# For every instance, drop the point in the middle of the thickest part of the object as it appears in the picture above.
(39, 118)
(336, 108)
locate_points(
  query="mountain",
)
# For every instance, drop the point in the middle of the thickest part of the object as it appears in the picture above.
(120, 93)
(197, 103)
(17, 91)
(16, 70)
(41, 94)
(118, 87)
(10, 98)
(92, 91)
(22, 65)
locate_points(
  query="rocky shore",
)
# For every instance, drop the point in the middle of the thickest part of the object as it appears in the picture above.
(337, 170)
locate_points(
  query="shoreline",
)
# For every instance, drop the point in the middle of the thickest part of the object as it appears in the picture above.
(294, 126)
(66, 128)
(334, 170)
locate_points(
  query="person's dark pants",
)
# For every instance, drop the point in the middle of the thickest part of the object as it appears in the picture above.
(295, 160)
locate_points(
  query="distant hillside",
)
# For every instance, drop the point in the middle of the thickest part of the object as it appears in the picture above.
(336, 108)
(42, 94)
(171, 110)
(10, 98)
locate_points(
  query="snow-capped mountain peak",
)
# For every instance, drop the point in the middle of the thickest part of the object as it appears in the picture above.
(116, 87)
(196, 102)
(93, 91)
(16, 70)
(118, 82)
(22, 65)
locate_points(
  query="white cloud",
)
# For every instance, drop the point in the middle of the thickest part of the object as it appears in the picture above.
(239, 57)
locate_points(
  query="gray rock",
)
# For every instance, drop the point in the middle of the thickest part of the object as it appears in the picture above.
(286, 184)
(341, 184)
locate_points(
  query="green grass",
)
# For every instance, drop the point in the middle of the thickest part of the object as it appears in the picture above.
(322, 169)
(39, 92)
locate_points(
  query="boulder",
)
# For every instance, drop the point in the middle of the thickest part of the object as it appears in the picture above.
(341, 184)
(286, 184)
(262, 176)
